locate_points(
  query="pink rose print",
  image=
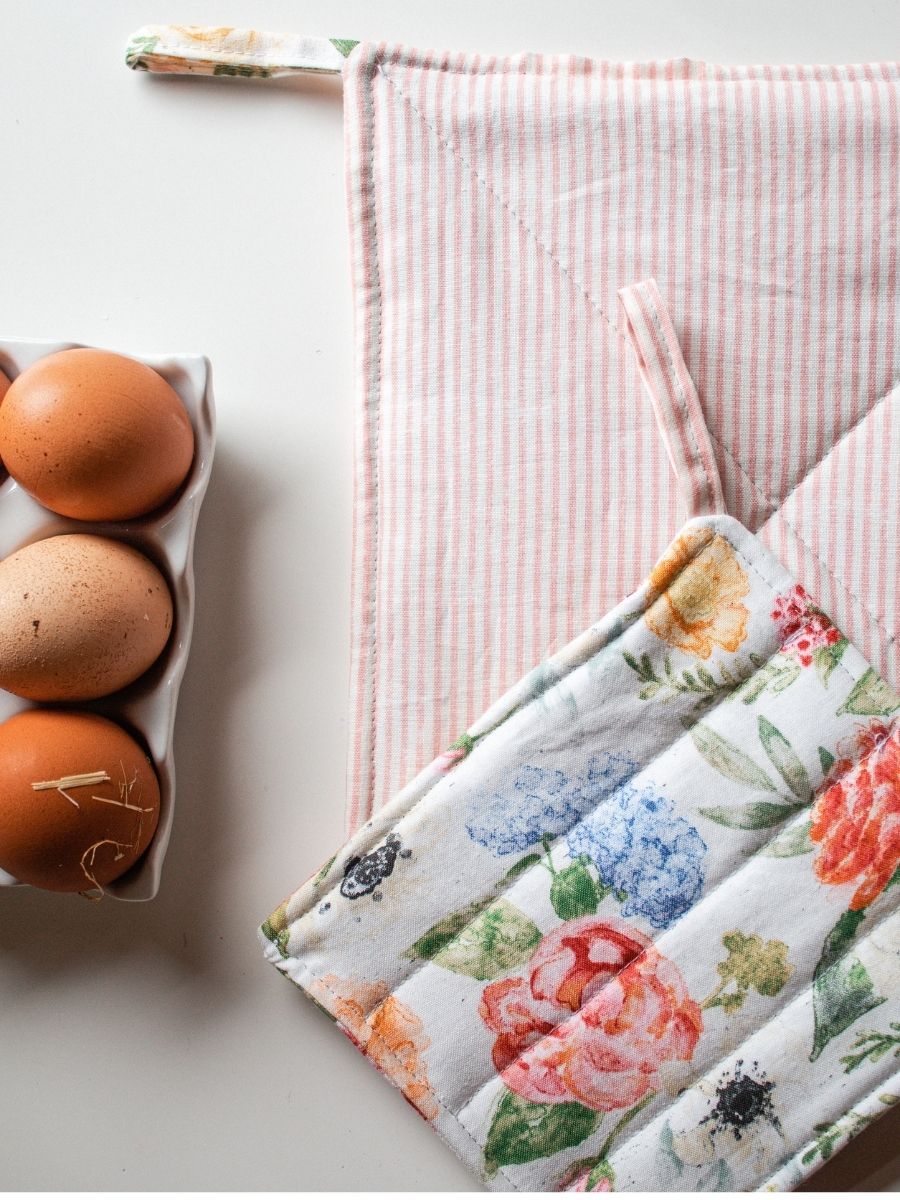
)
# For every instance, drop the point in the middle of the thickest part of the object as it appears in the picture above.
(596, 1013)
(803, 627)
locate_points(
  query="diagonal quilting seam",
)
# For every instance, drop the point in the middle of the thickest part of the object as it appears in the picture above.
(892, 392)
(889, 634)
(498, 892)
(892, 1084)
(703, 903)
(366, 847)
(403, 980)
(580, 286)
(800, 995)
(416, 967)
(493, 896)
(286, 966)
(503, 203)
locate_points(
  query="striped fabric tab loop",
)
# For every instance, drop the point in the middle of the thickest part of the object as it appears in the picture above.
(511, 483)
(679, 414)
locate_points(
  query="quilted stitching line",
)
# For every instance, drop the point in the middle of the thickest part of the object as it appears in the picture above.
(416, 1078)
(840, 666)
(285, 966)
(698, 905)
(848, 432)
(690, 70)
(575, 281)
(891, 1084)
(498, 199)
(799, 996)
(494, 894)
(376, 438)
(889, 634)
(456, 1116)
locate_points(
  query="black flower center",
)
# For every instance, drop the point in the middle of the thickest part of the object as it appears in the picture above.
(741, 1100)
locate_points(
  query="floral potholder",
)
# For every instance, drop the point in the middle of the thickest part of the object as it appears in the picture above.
(637, 929)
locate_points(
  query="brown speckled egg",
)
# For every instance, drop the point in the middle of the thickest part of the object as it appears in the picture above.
(95, 436)
(80, 616)
(79, 800)
(4, 386)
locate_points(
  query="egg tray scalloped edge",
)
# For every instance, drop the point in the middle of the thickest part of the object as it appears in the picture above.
(147, 707)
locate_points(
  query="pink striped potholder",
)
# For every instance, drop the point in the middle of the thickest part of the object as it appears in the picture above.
(511, 483)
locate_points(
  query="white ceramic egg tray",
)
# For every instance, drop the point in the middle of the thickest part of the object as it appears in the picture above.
(147, 707)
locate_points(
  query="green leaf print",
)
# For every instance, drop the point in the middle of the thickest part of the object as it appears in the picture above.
(343, 45)
(842, 987)
(585, 1174)
(774, 676)
(718, 1177)
(137, 48)
(242, 70)
(530, 860)
(728, 759)
(759, 815)
(573, 892)
(698, 682)
(826, 759)
(751, 964)
(840, 938)
(522, 1131)
(275, 928)
(784, 759)
(443, 932)
(871, 697)
(826, 658)
(748, 678)
(791, 842)
(872, 1047)
(323, 871)
(830, 1137)
(483, 946)
(602, 1171)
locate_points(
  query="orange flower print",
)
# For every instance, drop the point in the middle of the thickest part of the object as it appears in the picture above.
(594, 1016)
(695, 595)
(856, 818)
(386, 1031)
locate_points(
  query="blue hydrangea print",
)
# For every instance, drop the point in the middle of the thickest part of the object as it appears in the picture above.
(642, 849)
(543, 802)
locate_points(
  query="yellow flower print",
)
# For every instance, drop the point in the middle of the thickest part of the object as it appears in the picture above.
(695, 595)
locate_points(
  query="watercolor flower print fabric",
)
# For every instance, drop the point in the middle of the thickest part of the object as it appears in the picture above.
(638, 929)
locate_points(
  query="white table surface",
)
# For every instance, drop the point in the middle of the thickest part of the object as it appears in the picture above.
(148, 1046)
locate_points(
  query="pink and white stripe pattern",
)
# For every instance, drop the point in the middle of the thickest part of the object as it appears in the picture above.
(512, 483)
